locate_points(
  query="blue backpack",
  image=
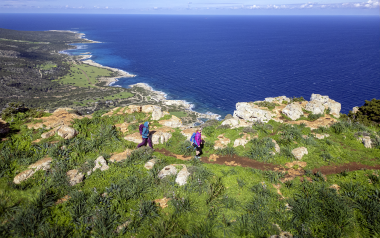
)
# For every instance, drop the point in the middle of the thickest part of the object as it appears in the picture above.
(192, 138)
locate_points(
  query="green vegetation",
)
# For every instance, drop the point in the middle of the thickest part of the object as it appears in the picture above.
(216, 201)
(269, 105)
(84, 75)
(368, 114)
(179, 114)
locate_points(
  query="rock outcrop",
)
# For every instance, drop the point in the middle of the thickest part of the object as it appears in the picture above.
(63, 131)
(299, 152)
(120, 156)
(173, 122)
(328, 103)
(150, 164)
(43, 164)
(161, 135)
(171, 170)
(279, 99)
(355, 110)
(100, 163)
(222, 142)
(61, 116)
(293, 111)
(315, 107)
(135, 137)
(366, 140)
(74, 176)
(276, 146)
(236, 123)
(251, 112)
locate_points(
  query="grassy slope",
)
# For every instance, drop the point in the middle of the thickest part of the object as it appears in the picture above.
(217, 201)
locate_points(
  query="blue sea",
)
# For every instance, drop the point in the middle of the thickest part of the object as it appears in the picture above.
(214, 62)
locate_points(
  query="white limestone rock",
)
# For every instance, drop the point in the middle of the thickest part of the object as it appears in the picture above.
(355, 110)
(150, 164)
(173, 122)
(240, 141)
(182, 176)
(334, 106)
(67, 132)
(135, 137)
(161, 135)
(299, 152)
(293, 111)
(251, 112)
(167, 170)
(315, 107)
(366, 140)
(43, 164)
(278, 99)
(276, 146)
(74, 176)
(100, 163)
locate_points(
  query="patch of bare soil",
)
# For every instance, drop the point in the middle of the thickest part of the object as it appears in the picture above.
(335, 169)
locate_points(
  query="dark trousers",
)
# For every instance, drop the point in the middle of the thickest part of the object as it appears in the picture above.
(144, 141)
(198, 148)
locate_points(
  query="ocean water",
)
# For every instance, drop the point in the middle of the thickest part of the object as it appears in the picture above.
(214, 62)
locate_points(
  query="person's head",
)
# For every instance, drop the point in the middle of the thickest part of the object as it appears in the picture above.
(146, 124)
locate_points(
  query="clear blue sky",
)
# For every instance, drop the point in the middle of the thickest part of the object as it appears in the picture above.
(366, 7)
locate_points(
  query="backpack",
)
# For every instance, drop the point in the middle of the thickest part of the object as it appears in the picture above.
(192, 138)
(141, 127)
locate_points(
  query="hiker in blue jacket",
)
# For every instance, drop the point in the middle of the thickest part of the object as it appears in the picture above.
(145, 136)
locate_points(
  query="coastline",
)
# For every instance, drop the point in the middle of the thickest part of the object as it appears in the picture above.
(158, 96)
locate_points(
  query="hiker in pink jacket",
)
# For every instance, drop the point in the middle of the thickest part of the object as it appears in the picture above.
(197, 143)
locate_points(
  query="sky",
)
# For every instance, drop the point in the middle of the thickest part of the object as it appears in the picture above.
(204, 7)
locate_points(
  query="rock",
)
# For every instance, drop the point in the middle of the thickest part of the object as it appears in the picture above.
(100, 163)
(23, 176)
(276, 146)
(182, 176)
(366, 140)
(240, 141)
(157, 114)
(173, 122)
(62, 200)
(320, 136)
(167, 170)
(233, 122)
(74, 176)
(299, 152)
(122, 226)
(222, 142)
(120, 156)
(213, 157)
(163, 202)
(135, 137)
(67, 132)
(293, 111)
(61, 116)
(251, 112)
(123, 127)
(161, 135)
(49, 133)
(278, 99)
(328, 103)
(283, 234)
(355, 110)
(43, 164)
(149, 165)
(315, 107)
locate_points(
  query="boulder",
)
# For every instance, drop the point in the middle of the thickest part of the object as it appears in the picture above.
(278, 99)
(315, 107)
(167, 170)
(251, 112)
(276, 146)
(355, 110)
(299, 152)
(240, 141)
(233, 122)
(74, 176)
(135, 137)
(293, 111)
(161, 135)
(23, 176)
(222, 142)
(120, 156)
(182, 176)
(123, 127)
(149, 165)
(327, 103)
(43, 164)
(366, 140)
(100, 163)
(173, 122)
(320, 136)
(67, 132)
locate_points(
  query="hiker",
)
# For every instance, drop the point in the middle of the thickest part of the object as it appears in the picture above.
(144, 132)
(197, 140)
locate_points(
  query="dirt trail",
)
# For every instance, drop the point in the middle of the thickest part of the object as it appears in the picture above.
(246, 162)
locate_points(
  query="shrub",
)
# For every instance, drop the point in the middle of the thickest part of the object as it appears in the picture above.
(249, 130)
(229, 151)
(208, 131)
(223, 127)
(368, 114)
(297, 99)
(269, 105)
(313, 117)
(261, 149)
